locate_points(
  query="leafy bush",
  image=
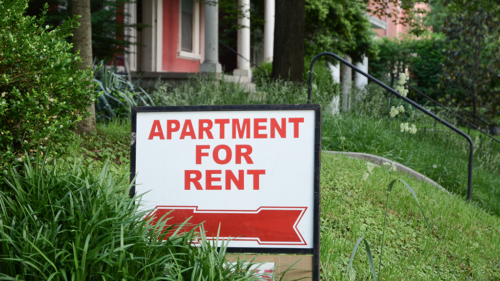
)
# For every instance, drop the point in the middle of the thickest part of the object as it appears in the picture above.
(263, 73)
(422, 57)
(42, 94)
(394, 56)
(426, 65)
(78, 225)
(322, 75)
(118, 93)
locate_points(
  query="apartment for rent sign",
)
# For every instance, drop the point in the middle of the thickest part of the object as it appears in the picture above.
(249, 172)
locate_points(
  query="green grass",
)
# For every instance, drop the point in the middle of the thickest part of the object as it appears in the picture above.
(463, 245)
(110, 143)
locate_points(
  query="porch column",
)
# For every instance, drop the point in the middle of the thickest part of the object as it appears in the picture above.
(148, 34)
(269, 30)
(335, 71)
(131, 18)
(211, 63)
(346, 85)
(243, 66)
(360, 80)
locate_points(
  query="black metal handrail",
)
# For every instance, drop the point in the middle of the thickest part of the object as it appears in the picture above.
(452, 112)
(416, 105)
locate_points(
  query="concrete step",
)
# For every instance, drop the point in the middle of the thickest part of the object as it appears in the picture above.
(236, 79)
(244, 81)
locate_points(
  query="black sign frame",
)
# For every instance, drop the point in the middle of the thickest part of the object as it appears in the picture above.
(315, 251)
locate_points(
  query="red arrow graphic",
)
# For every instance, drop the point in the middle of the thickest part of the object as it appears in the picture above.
(266, 225)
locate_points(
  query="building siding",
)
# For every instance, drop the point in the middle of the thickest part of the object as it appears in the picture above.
(170, 61)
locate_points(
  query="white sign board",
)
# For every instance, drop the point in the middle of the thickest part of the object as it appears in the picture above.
(251, 173)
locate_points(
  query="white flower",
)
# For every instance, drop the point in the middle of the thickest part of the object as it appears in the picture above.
(394, 111)
(413, 129)
(405, 127)
(393, 167)
(369, 166)
(46, 27)
(404, 92)
(434, 166)
(402, 79)
(61, 126)
(401, 108)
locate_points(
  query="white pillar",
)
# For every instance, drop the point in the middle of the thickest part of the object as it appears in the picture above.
(211, 63)
(269, 30)
(243, 66)
(335, 71)
(149, 36)
(131, 18)
(346, 85)
(361, 81)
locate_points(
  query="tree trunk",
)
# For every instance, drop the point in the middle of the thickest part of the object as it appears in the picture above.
(288, 62)
(82, 42)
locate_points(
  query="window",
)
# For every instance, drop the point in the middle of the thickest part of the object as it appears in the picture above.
(189, 30)
(187, 25)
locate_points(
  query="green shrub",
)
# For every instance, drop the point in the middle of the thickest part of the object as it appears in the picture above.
(211, 91)
(42, 94)
(78, 225)
(262, 74)
(322, 75)
(422, 57)
(394, 57)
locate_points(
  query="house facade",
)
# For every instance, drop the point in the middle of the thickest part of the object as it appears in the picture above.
(181, 37)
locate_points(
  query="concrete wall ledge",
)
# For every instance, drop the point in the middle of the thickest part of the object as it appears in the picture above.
(377, 160)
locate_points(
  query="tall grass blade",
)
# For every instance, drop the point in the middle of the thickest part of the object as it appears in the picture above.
(369, 254)
(391, 185)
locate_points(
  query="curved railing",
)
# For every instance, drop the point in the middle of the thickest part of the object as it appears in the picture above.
(395, 93)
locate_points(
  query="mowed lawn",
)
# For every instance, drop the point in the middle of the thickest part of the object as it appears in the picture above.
(462, 244)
